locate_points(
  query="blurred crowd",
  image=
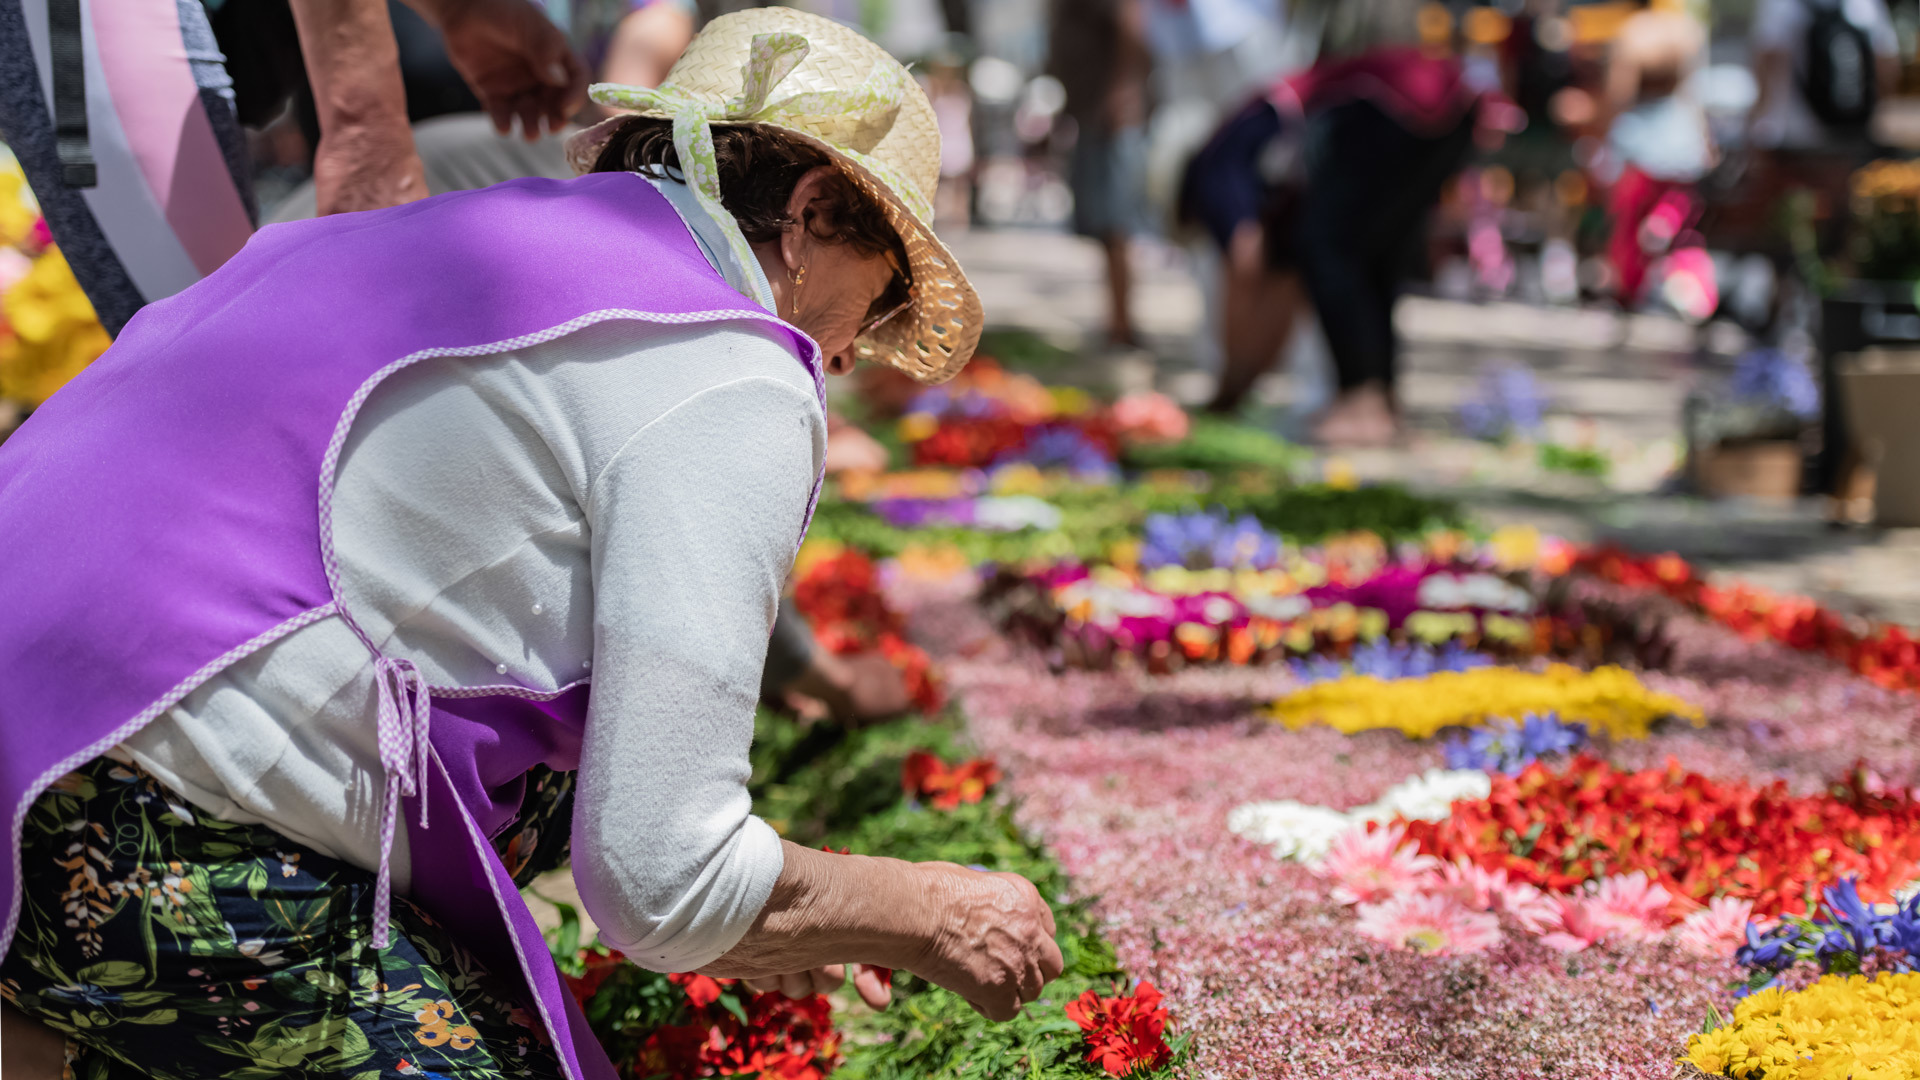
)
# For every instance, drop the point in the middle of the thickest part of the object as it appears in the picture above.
(1313, 158)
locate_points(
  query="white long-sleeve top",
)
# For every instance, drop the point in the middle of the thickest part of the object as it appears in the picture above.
(621, 503)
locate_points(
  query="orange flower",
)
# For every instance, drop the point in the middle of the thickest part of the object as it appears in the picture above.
(926, 777)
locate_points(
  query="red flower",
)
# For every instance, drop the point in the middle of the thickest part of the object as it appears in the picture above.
(840, 596)
(1882, 652)
(598, 967)
(1123, 1033)
(926, 777)
(701, 990)
(1697, 838)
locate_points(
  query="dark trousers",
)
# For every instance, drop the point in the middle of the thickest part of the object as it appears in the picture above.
(1370, 184)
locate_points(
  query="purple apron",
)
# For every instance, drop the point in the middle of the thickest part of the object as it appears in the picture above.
(168, 512)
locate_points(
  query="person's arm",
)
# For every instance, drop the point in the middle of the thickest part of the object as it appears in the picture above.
(515, 59)
(366, 158)
(646, 43)
(693, 526)
(1126, 103)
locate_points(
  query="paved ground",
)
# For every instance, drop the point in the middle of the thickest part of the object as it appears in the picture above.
(1616, 382)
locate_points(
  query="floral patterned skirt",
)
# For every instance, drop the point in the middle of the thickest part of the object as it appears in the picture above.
(167, 943)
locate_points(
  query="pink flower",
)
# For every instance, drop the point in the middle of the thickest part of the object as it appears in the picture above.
(1480, 889)
(1625, 907)
(1718, 928)
(1147, 416)
(1431, 924)
(1370, 866)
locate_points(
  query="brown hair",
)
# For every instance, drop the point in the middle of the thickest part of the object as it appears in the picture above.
(759, 167)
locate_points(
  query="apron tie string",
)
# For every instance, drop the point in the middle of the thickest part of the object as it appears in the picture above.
(405, 708)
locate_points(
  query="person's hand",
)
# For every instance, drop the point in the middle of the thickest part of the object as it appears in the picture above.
(366, 167)
(993, 939)
(868, 982)
(850, 449)
(865, 686)
(517, 62)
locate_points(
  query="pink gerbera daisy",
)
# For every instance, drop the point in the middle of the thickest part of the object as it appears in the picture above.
(1720, 927)
(1369, 866)
(1481, 889)
(1626, 907)
(1431, 924)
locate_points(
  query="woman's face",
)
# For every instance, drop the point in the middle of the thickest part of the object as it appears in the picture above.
(837, 298)
(831, 290)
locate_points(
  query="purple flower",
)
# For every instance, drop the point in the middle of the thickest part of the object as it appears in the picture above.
(924, 513)
(1506, 402)
(1384, 660)
(1061, 446)
(1205, 541)
(1769, 377)
(1503, 746)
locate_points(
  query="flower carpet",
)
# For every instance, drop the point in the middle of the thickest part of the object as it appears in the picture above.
(1324, 783)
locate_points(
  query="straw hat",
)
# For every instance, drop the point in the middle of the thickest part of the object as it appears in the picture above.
(828, 86)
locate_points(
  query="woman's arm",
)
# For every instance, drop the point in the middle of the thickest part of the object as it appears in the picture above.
(987, 937)
(694, 523)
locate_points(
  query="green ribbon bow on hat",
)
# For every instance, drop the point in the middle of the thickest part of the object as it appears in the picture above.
(771, 58)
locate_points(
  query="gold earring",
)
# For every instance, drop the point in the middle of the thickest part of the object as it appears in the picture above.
(799, 279)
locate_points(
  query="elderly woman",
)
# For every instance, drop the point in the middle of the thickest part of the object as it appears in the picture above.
(348, 566)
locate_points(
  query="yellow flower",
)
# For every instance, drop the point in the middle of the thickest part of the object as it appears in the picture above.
(1609, 700)
(1843, 1027)
(55, 333)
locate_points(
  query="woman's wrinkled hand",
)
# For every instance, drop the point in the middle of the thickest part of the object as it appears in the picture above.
(869, 982)
(993, 941)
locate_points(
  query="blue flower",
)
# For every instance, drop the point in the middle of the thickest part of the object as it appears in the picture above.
(1061, 446)
(1771, 378)
(1506, 402)
(1772, 951)
(1205, 541)
(83, 994)
(1500, 745)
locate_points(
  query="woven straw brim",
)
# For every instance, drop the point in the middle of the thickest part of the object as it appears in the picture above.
(933, 339)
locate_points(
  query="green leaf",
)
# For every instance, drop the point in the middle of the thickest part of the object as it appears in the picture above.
(112, 973)
(156, 1018)
(728, 1003)
(257, 880)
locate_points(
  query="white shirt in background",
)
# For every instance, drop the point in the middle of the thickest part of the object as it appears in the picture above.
(1781, 26)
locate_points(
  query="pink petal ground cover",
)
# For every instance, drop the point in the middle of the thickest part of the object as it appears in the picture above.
(1129, 779)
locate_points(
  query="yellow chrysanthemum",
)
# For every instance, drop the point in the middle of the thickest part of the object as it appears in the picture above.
(1843, 1027)
(1609, 700)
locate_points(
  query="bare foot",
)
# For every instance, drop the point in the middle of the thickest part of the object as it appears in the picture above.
(1361, 417)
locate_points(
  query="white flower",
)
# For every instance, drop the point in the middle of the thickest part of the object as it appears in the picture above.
(1294, 830)
(1427, 797)
(1277, 608)
(1011, 513)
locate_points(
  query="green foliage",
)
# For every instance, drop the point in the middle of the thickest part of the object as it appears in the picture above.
(842, 789)
(1093, 519)
(1575, 460)
(1024, 350)
(1314, 512)
(1216, 444)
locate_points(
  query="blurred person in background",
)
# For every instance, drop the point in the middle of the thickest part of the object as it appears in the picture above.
(136, 154)
(631, 42)
(1098, 51)
(1386, 123)
(1822, 67)
(1243, 187)
(1658, 138)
